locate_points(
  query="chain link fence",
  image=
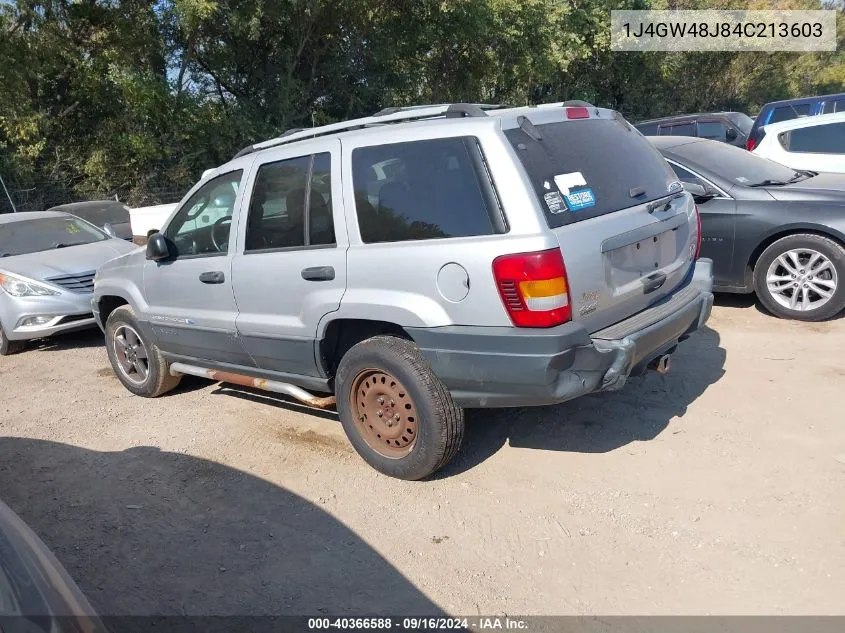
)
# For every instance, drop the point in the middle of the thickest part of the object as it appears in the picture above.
(18, 195)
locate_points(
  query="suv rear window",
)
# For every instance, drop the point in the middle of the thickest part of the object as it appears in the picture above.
(815, 139)
(789, 112)
(619, 166)
(422, 190)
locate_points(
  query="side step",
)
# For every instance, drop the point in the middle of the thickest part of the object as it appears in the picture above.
(285, 388)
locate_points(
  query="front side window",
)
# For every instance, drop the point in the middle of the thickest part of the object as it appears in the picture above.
(816, 139)
(420, 190)
(201, 226)
(291, 205)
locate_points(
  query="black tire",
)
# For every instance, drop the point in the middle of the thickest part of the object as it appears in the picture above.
(158, 380)
(7, 347)
(440, 427)
(829, 249)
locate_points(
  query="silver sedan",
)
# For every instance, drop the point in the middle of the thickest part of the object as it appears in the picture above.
(47, 265)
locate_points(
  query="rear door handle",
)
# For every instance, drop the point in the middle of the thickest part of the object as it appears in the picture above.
(213, 277)
(653, 282)
(318, 273)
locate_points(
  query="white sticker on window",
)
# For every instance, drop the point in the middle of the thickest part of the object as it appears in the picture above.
(565, 182)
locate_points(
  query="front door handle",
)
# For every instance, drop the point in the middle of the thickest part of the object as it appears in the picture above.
(213, 277)
(318, 273)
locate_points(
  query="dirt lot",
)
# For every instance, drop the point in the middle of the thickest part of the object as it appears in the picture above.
(715, 489)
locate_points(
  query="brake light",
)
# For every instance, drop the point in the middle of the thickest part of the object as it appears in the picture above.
(534, 288)
(750, 144)
(577, 113)
(697, 233)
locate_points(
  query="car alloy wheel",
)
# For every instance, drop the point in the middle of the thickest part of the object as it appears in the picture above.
(131, 354)
(802, 279)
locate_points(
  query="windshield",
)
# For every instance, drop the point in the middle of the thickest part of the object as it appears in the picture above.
(734, 164)
(107, 212)
(742, 121)
(43, 234)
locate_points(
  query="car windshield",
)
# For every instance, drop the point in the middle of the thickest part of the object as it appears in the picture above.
(742, 121)
(100, 214)
(736, 165)
(43, 234)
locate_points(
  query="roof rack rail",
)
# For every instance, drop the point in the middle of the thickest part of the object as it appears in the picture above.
(387, 115)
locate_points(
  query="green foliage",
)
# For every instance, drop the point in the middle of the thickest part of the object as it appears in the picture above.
(137, 97)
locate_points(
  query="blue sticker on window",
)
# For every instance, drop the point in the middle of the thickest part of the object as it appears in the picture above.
(581, 199)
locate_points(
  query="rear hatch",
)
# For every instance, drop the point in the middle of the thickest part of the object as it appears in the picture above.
(626, 229)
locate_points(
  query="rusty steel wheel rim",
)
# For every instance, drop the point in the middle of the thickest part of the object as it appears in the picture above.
(384, 413)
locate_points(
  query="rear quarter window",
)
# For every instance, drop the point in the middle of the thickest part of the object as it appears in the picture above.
(619, 166)
(421, 190)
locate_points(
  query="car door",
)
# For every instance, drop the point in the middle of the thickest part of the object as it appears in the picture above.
(290, 267)
(191, 304)
(718, 224)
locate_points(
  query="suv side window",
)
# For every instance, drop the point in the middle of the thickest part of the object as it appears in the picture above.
(201, 226)
(816, 139)
(649, 129)
(678, 129)
(277, 210)
(715, 130)
(421, 190)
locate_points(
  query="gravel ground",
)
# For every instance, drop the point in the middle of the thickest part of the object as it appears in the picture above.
(715, 489)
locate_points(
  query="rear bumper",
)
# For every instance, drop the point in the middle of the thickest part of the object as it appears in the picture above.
(512, 367)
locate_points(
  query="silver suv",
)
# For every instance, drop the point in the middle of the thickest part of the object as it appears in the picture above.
(414, 263)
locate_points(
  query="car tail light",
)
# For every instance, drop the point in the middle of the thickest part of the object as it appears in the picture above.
(697, 233)
(534, 288)
(577, 113)
(750, 144)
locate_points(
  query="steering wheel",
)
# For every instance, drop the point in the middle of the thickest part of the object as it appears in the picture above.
(221, 242)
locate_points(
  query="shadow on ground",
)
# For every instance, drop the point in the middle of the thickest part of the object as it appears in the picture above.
(83, 339)
(146, 532)
(602, 422)
(745, 301)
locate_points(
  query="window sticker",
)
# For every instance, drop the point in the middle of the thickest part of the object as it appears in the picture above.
(555, 202)
(565, 182)
(581, 199)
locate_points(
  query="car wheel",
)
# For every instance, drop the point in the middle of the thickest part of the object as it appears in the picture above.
(137, 362)
(8, 347)
(802, 277)
(397, 414)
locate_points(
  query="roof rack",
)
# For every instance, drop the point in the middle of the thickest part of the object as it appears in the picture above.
(387, 115)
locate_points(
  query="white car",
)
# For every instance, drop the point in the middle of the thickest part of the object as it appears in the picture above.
(814, 143)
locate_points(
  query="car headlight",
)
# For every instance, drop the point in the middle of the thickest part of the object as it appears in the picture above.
(20, 287)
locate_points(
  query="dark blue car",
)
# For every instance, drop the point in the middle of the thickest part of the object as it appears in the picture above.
(792, 109)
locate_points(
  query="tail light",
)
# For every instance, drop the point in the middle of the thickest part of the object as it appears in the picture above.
(697, 233)
(577, 113)
(534, 288)
(750, 144)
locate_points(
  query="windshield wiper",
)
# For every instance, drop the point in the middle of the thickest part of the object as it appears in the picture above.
(768, 183)
(61, 245)
(799, 175)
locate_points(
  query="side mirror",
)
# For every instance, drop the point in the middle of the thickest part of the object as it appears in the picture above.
(157, 247)
(108, 229)
(699, 192)
(731, 134)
